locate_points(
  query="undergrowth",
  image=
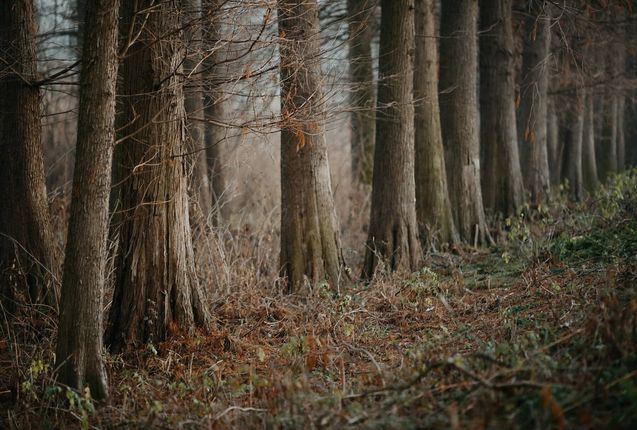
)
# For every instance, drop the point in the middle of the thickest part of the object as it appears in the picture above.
(538, 332)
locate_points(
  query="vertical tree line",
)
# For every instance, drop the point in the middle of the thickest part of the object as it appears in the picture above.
(457, 120)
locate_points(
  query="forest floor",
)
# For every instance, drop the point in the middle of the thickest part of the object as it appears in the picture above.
(537, 332)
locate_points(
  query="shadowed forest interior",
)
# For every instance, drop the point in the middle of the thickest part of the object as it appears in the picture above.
(318, 214)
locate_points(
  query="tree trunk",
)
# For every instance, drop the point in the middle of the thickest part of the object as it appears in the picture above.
(156, 290)
(433, 209)
(573, 149)
(309, 233)
(363, 122)
(532, 129)
(193, 91)
(589, 163)
(621, 133)
(79, 342)
(27, 250)
(553, 143)
(459, 116)
(502, 186)
(607, 147)
(215, 133)
(393, 229)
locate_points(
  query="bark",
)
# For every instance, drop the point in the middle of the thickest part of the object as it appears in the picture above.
(215, 133)
(193, 90)
(553, 143)
(27, 250)
(502, 186)
(532, 129)
(393, 229)
(459, 116)
(309, 233)
(362, 97)
(79, 342)
(433, 208)
(156, 288)
(573, 148)
(621, 133)
(607, 147)
(589, 163)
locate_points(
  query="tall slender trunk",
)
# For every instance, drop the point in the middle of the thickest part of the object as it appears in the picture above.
(532, 125)
(607, 148)
(553, 143)
(573, 148)
(309, 233)
(362, 102)
(589, 163)
(621, 133)
(393, 229)
(459, 116)
(433, 209)
(79, 341)
(156, 289)
(193, 91)
(215, 134)
(502, 187)
(27, 251)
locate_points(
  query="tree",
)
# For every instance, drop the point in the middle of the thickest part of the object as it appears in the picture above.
(156, 287)
(553, 143)
(27, 250)
(194, 103)
(532, 119)
(363, 122)
(213, 106)
(79, 341)
(433, 209)
(393, 230)
(502, 187)
(572, 160)
(589, 163)
(459, 116)
(309, 234)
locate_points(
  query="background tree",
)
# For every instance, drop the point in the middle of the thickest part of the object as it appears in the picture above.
(194, 103)
(361, 32)
(532, 117)
(79, 340)
(433, 209)
(215, 132)
(589, 162)
(572, 168)
(393, 230)
(502, 187)
(309, 232)
(459, 116)
(27, 248)
(156, 287)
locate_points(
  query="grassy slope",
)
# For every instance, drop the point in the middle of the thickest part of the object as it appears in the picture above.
(538, 333)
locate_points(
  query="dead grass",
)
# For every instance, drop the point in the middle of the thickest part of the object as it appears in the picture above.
(520, 336)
